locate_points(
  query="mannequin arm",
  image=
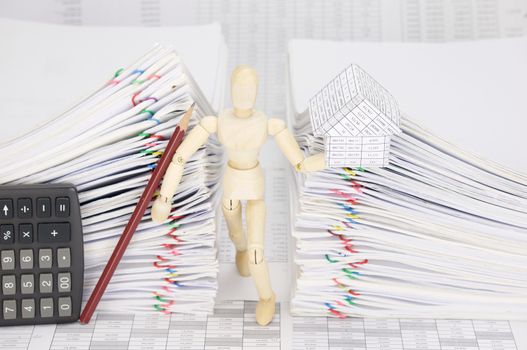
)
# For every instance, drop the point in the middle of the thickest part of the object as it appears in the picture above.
(196, 138)
(289, 147)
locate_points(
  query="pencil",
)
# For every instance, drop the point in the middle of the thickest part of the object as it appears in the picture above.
(137, 215)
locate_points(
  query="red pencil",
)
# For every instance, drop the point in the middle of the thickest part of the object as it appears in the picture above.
(142, 204)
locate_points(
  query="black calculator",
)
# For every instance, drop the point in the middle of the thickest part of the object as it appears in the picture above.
(41, 254)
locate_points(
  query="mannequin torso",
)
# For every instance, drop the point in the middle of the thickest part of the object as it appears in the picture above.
(242, 137)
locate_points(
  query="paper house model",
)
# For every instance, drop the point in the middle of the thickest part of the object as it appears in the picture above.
(357, 117)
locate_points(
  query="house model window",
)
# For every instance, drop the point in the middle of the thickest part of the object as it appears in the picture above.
(357, 117)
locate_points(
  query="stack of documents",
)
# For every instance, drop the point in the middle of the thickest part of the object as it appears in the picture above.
(107, 146)
(442, 230)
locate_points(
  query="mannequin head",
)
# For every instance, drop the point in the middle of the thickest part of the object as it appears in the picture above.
(244, 87)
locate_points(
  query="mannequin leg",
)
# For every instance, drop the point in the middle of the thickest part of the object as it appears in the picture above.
(232, 211)
(257, 264)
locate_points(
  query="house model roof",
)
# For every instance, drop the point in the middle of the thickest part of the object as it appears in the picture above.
(354, 104)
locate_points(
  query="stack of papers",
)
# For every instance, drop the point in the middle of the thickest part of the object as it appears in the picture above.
(440, 228)
(107, 146)
(52, 67)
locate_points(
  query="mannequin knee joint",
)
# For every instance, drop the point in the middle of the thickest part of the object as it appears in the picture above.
(231, 205)
(256, 255)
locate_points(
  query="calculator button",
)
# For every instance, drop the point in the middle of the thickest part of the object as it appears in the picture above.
(28, 308)
(8, 260)
(26, 258)
(25, 233)
(8, 285)
(46, 283)
(27, 284)
(54, 232)
(7, 234)
(62, 207)
(43, 207)
(6, 208)
(64, 282)
(24, 208)
(64, 257)
(45, 259)
(46, 307)
(64, 306)
(9, 308)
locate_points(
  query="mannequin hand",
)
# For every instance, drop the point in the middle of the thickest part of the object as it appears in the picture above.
(161, 209)
(313, 163)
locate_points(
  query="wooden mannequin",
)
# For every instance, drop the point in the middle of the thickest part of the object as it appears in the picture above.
(242, 131)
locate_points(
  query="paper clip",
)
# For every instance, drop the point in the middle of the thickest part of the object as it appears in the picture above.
(330, 260)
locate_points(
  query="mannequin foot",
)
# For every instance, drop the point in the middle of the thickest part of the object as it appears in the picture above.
(265, 310)
(242, 263)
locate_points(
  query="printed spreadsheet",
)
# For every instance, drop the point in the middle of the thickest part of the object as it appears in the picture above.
(232, 327)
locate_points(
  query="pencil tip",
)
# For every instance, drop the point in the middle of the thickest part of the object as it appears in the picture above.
(186, 118)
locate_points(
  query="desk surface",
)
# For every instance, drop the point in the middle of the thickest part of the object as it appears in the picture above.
(233, 327)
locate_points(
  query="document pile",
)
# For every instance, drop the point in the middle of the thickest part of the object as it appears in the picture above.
(437, 229)
(107, 146)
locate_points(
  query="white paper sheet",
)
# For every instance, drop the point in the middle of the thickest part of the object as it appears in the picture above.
(233, 328)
